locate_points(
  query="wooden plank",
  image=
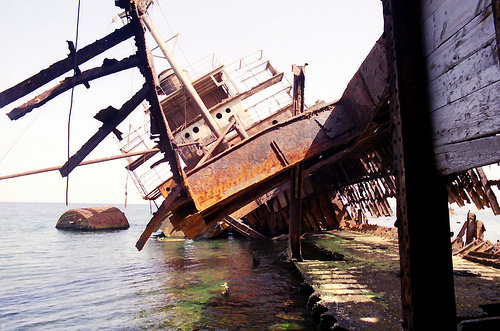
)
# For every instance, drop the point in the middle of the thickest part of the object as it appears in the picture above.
(69, 82)
(478, 71)
(487, 188)
(496, 15)
(459, 157)
(366, 89)
(477, 34)
(157, 217)
(447, 18)
(60, 67)
(469, 186)
(474, 116)
(478, 187)
(103, 131)
(374, 72)
(429, 7)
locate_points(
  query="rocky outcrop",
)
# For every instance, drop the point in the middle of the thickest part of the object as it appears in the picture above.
(93, 219)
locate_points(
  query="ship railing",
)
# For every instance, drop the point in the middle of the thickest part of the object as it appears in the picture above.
(149, 180)
(264, 108)
(148, 175)
(250, 71)
(238, 76)
(203, 66)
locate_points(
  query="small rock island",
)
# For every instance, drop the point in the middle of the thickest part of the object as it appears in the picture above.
(93, 219)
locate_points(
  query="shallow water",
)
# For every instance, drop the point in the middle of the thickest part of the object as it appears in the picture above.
(60, 280)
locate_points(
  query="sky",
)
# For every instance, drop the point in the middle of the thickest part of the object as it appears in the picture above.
(333, 37)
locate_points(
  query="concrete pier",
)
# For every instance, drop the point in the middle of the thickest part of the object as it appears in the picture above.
(356, 281)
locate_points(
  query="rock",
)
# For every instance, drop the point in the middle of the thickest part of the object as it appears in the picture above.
(255, 260)
(318, 310)
(313, 299)
(326, 322)
(224, 290)
(93, 219)
(306, 289)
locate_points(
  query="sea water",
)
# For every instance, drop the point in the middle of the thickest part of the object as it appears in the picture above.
(60, 280)
(457, 217)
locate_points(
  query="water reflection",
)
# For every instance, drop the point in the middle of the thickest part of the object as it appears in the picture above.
(191, 275)
(58, 280)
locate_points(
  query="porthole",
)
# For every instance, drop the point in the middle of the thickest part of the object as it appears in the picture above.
(228, 110)
(275, 122)
(196, 129)
(187, 135)
(218, 115)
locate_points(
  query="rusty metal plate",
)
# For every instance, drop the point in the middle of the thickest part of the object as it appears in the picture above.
(254, 161)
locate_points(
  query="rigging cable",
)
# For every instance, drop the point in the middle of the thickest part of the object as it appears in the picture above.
(72, 94)
(18, 137)
(172, 32)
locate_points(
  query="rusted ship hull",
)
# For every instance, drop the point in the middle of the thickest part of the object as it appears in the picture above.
(257, 170)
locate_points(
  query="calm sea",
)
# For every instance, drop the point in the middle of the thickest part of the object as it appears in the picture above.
(59, 280)
(458, 216)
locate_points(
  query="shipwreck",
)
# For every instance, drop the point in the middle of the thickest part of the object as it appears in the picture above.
(236, 146)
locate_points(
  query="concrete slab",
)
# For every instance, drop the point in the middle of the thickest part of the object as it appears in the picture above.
(363, 289)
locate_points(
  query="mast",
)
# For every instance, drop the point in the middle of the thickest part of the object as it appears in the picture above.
(202, 109)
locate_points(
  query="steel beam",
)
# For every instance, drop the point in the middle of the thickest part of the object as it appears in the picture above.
(295, 213)
(422, 211)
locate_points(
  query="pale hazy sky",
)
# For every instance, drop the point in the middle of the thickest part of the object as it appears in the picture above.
(333, 37)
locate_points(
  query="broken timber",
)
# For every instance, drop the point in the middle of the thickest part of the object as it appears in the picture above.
(103, 131)
(59, 68)
(142, 60)
(109, 67)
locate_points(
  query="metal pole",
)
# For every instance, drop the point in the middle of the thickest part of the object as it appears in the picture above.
(295, 212)
(296, 179)
(105, 159)
(298, 89)
(182, 76)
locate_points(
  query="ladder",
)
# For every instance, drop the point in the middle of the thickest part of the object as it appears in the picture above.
(242, 228)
